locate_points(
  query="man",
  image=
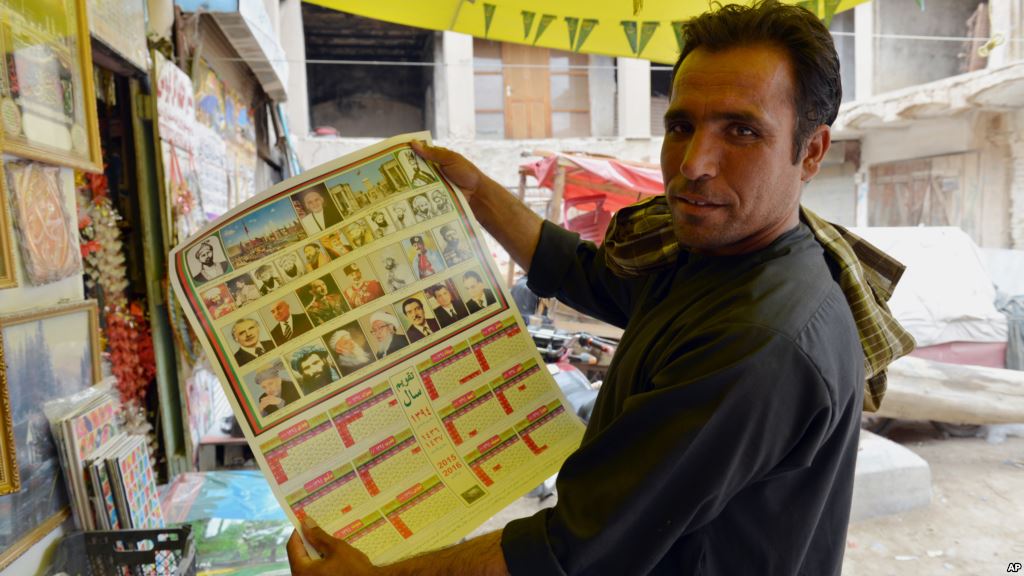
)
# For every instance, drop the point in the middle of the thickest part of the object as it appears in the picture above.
(320, 213)
(360, 291)
(449, 310)
(246, 333)
(288, 325)
(421, 210)
(208, 268)
(385, 330)
(400, 210)
(325, 305)
(243, 290)
(381, 226)
(480, 296)
(335, 245)
(216, 303)
(359, 233)
(290, 266)
(277, 392)
(419, 325)
(453, 252)
(724, 438)
(348, 354)
(420, 173)
(314, 368)
(426, 261)
(269, 280)
(440, 199)
(314, 257)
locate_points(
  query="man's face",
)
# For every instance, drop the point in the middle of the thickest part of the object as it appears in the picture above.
(414, 312)
(247, 334)
(420, 247)
(313, 202)
(355, 275)
(379, 220)
(310, 253)
(319, 288)
(443, 297)
(313, 366)
(205, 254)
(450, 236)
(420, 205)
(271, 386)
(439, 201)
(213, 298)
(473, 288)
(381, 330)
(727, 158)
(291, 266)
(265, 275)
(281, 311)
(399, 212)
(344, 345)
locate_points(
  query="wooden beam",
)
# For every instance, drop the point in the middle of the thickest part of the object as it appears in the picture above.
(920, 389)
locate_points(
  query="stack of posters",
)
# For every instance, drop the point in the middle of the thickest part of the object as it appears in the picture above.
(109, 474)
(378, 368)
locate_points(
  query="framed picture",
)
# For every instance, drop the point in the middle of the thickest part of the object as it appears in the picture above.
(47, 231)
(47, 102)
(46, 354)
(8, 274)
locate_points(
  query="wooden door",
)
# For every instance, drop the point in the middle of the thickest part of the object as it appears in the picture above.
(527, 91)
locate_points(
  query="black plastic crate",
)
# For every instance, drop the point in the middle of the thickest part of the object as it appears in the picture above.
(158, 552)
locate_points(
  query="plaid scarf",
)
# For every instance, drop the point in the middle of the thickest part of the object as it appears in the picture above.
(640, 240)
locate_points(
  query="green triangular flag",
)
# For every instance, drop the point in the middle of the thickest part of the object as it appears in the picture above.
(488, 17)
(811, 5)
(629, 27)
(527, 23)
(573, 24)
(830, 11)
(677, 28)
(585, 30)
(646, 32)
(545, 21)
(921, 4)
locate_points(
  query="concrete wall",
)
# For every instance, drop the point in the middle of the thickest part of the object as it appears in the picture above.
(899, 63)
(833, 194)
(498, 158)
(25, 297)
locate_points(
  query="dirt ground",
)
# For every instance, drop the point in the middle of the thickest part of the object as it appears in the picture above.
(973, 526)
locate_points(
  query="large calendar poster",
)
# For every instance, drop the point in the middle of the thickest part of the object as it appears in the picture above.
(379, 370)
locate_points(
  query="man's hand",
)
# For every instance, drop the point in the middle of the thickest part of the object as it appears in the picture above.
(269, 401)
(339, 559)
(456, 168)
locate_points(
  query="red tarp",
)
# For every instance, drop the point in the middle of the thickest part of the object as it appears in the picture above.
(596, 186)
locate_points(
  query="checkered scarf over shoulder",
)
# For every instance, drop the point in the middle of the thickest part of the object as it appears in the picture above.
(640, 240)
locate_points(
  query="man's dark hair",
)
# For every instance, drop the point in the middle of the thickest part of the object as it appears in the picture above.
(410, 301)
(473, 274)
(795, 30)
(304, 354)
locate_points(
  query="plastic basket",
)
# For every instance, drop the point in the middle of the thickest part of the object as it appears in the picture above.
(157, 552)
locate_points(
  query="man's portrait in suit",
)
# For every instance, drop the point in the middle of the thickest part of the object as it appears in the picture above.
(418, 325)
(318, 210)
(207, 261)
(386, 333)
(287, 319)
(250, 343)
(475, 292)
(448, 307)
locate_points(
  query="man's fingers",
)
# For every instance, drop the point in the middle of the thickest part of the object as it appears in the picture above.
(297, 555)
(437, 154)
(321, 541)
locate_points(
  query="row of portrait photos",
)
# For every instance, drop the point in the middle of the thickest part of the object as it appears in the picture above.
(382, 332)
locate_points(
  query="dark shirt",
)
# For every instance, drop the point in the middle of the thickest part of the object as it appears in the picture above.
(724, 438)
(288, 394)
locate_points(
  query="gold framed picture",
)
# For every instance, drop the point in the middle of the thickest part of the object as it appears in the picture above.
(47, 100)
(8, 273)
(44, 354)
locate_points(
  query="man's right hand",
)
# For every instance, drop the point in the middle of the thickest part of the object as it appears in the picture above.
(269, 401)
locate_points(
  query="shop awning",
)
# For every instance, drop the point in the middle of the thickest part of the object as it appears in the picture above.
(647, 29)
(589, 189)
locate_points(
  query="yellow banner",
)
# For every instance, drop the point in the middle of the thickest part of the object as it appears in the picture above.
(647, 29)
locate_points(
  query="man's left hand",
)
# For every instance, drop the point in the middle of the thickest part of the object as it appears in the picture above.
(339, 558)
